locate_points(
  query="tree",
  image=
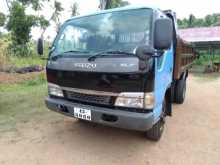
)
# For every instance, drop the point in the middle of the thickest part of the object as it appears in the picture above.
(56, 14)
(109, 4)
(74, 9)
(115, 3)
(20, 24)
(2, 19)
(36, 4)
(207, 21)
(192, 20)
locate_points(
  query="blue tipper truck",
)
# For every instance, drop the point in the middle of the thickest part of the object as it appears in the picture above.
(122, 67)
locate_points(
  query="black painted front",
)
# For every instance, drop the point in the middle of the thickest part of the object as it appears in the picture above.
(139, 81)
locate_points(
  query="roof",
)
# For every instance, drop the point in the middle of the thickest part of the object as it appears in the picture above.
(203, 34)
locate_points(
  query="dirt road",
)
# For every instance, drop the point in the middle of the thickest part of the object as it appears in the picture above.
(191, 137)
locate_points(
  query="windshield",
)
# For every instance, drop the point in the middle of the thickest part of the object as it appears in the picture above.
(122, 30)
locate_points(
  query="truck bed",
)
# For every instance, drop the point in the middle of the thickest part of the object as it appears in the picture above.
(185, 55)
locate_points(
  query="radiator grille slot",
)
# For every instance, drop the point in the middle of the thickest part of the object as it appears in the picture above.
(97, 99)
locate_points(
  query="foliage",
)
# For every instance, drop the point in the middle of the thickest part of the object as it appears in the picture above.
(42, 22)
(115, 3)
(33, 59)
(192, 21)
(205, 59)
(58, 8)
(7, 61)
(36, 4)
(4, 42)
(56, 14)
(74, 9)
(20, 25)
(2, 19)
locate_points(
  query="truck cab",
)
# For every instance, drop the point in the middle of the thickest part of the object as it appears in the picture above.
(115, 67)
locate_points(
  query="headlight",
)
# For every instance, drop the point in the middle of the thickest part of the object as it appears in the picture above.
(130, 99)
(135, 100)
(54, 90)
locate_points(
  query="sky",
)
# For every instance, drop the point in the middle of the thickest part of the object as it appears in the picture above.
(183, 8)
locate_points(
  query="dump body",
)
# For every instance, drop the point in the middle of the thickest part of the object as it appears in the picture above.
(185, 55)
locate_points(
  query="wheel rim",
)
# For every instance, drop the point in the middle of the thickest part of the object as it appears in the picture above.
(162, 127)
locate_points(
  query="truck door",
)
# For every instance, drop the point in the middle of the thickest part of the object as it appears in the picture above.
(163, 79)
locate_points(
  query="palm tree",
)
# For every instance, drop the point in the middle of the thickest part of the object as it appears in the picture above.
(55, 16)
(74, 9)
(109, 4)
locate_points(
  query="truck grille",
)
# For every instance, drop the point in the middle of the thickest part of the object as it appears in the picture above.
(97, 99)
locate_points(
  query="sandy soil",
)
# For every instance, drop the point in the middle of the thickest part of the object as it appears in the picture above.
(191, 137)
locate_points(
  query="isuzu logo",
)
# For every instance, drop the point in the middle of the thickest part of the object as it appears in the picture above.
(85, 65)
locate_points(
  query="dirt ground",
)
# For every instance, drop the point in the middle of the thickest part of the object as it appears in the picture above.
(12, 78)
(191, 137)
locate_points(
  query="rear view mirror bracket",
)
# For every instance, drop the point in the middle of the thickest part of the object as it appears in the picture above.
(40, 47)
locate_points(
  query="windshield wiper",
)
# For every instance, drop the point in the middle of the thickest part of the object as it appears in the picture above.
(76, 51)
(55, 57)
(106, 53)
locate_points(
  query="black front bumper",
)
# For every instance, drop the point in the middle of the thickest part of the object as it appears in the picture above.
(122, 119)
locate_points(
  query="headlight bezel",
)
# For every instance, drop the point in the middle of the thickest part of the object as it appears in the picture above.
(55, 90)
(135, 100)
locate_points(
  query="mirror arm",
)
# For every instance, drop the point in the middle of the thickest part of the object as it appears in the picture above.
(158, 53)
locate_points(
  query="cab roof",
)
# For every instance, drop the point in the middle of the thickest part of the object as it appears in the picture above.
(129, 7)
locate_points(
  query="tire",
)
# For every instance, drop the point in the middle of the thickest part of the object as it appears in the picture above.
(156, 131)
(180, 91)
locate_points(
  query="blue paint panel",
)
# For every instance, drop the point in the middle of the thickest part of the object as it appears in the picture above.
(163, 80)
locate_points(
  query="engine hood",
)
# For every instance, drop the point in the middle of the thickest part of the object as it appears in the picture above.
(103, 74)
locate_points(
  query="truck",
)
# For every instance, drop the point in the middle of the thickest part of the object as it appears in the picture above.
(122, 67)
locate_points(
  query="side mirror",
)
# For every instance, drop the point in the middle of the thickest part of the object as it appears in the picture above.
(40, 46)
(163, 33)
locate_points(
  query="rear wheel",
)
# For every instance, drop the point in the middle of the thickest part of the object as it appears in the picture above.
(180, 91)
(156, 131)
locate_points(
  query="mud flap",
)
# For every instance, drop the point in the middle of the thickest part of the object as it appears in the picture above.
(169, 97)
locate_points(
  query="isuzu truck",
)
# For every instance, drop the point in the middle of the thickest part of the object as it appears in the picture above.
(122, 67)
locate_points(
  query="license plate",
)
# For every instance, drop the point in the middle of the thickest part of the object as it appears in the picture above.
(82, 113)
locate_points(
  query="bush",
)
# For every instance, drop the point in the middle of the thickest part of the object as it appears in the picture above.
(19, 50)
(4, 41)
(207, 59)
(13, 56)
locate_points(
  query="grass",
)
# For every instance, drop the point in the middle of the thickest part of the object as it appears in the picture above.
(23, 102)
(26, 61)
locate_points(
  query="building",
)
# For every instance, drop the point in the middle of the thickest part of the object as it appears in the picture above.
(204, 38)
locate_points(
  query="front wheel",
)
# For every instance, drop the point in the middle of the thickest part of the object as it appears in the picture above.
(156, 131)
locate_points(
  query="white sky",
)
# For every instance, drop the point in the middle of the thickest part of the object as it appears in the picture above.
(183, 8)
